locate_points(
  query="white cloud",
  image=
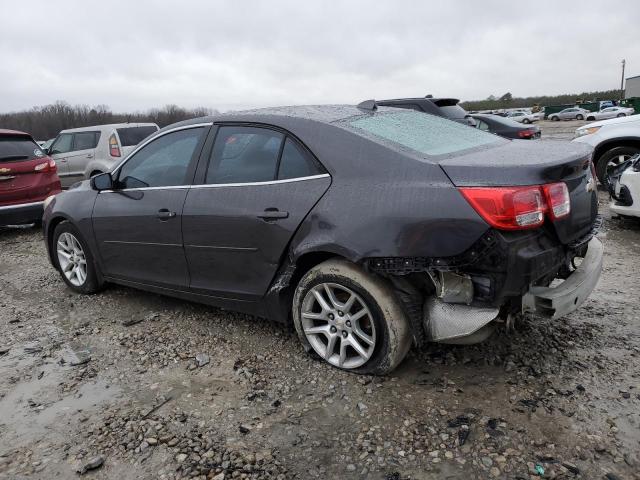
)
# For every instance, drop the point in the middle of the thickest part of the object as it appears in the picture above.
(236, 54)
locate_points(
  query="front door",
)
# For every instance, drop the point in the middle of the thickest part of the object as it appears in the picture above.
(59, 151)
(259, 186)
(138, 224)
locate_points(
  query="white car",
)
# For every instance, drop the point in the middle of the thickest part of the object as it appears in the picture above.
(614, 141)
(611, 112)
(625, 189)
(81, 153)
(572, 113)
(523, 117)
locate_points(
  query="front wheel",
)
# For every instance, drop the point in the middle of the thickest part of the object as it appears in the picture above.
(579, 117)
(74, 260)
(526, 120)
(611, 159)
(554, 119)
(350, 318)
(621, 115)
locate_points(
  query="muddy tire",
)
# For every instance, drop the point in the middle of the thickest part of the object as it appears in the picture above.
(350, 318)
(610, 159)
(74, 260)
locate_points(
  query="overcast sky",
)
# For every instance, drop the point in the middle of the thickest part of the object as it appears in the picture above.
(134, 55)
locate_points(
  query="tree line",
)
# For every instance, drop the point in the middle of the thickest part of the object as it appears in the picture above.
(46, 121)
(509, 101)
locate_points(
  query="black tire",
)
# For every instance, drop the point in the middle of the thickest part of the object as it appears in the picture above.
(621, 115)
(526, 120)
(554, 118)
(392, 333)
(91, 284)
(609, 156)
(590, 119)
(579, 117)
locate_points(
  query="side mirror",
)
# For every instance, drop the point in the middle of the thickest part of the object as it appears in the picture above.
(104, 181)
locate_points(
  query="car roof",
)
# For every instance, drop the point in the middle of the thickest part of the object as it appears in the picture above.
(107, 126)
(4, 131)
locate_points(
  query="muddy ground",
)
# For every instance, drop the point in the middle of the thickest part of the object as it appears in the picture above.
(160, 388)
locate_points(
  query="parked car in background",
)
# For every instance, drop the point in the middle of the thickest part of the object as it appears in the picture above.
(523, 117)
(368, 228)
(81, 153)
(27, 177)
(573, 113)
(45, 144)
(610, 112)
(614, 141)
(444, 107)
(624, 188)
(505, 127)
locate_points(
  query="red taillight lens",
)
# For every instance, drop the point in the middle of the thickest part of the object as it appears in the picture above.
(558, 201)
(508, 208)
(46, 167)
(114, 148)
(525, 133)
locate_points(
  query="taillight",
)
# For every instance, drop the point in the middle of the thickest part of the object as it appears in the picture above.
(526, 133)
(46, 167)
(519, 208)
(114, 148)
(558, 201)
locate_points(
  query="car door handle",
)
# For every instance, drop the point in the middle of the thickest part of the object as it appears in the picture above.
(165, 214)
(89, 155)
(273, 214)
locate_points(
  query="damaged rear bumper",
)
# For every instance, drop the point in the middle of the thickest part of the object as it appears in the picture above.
(556, 302)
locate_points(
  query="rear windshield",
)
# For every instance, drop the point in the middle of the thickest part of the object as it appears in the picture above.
(424, 133)
(130, 136)
(453, 111)
(16, 148)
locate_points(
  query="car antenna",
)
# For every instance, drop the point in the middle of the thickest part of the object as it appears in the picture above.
(368, 105)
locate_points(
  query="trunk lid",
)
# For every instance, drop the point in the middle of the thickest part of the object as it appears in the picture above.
(520, 163)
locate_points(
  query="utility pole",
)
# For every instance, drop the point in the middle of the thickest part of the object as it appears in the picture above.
(622, 81)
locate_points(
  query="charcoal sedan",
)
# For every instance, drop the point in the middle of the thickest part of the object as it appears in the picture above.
(506, 127)
(369, 228)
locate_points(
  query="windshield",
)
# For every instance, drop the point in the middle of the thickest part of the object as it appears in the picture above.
(14, 147)
(427, 134)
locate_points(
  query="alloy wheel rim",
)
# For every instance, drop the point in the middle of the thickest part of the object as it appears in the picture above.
(614, 162)
(72, 260)
(339, 325)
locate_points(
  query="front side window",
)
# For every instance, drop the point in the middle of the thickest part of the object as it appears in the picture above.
(63, 144)
(297, 162)
(244, 155)
(482, 125)
(161, 163)
(85, 140)
(426, 134)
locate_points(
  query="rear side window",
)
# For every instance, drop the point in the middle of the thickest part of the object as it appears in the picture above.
(85, 140)
(162, 162)
(297, 162)
(130, 136)
(244, 155)
(16, 148)
(427, 134)
(406, 106)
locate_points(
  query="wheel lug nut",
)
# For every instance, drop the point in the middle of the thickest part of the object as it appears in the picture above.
(333, 329)
(349, 323)
(344, 334)
(340, 313)
(331, 316)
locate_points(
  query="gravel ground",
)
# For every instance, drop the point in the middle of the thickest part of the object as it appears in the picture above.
(126, 384)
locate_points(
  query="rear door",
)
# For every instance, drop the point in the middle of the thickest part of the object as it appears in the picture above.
(138, 224)
(258, 186)
(83, 151)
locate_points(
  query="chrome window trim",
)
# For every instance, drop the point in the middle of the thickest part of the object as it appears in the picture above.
(218, 185)
(142, 145)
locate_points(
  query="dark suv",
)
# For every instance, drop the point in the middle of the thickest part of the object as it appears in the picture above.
(443, 107)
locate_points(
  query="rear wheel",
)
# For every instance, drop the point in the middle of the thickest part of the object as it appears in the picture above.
(74, 259)
(591, 118)
(621, 115)
(351, 319)
(526, 120)
(579, 117)
(613, 158)
(554, 118)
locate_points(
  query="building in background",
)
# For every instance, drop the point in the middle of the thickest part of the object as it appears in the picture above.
(632, 87)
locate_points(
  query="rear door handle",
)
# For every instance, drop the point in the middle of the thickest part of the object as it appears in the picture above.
(273, 214)
(89, 155)
(165, 214)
